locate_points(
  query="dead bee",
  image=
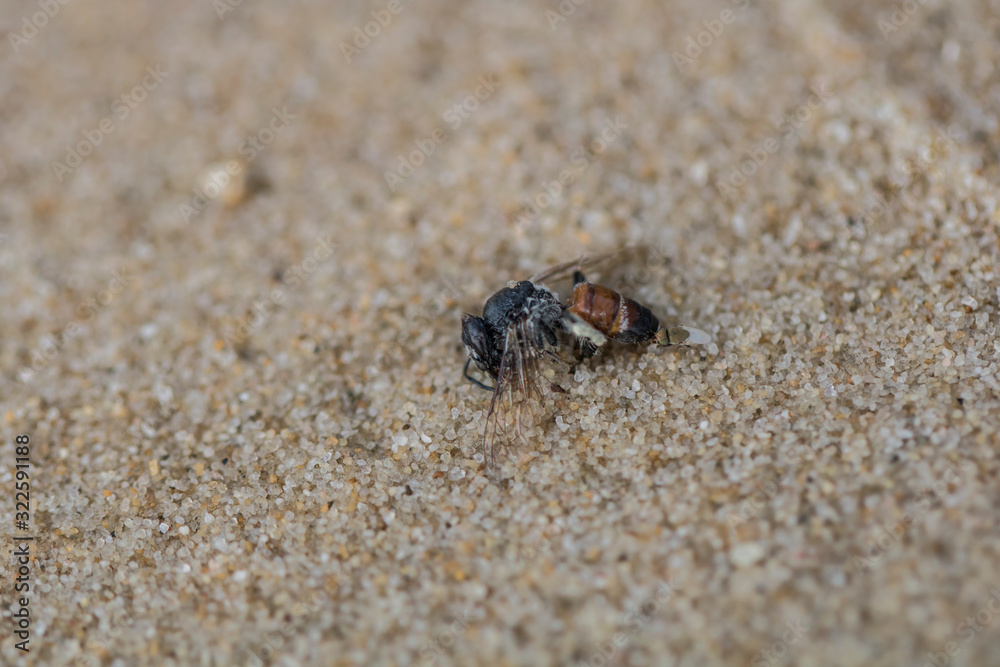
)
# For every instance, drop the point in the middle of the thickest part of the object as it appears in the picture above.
(525, 323)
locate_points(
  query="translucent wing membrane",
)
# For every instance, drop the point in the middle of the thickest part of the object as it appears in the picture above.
(583, 263)
(517, 390)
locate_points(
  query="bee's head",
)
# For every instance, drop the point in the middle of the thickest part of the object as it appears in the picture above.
(479, 343)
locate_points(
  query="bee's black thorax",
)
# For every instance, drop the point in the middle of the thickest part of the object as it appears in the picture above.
(539, 310)
(501, 308)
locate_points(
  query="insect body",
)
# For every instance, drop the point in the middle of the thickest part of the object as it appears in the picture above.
(525, 322)
(526, 314)
(623, 319)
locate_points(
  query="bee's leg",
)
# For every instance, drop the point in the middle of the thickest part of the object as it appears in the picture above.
(473, 380)
(582, 350)
(578, 278)
(577, 353)
(554, 354)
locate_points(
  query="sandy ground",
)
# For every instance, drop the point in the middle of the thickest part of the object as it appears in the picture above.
(250, 441)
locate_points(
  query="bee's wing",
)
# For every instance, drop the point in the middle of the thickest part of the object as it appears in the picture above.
(515, 394)
(584, 263)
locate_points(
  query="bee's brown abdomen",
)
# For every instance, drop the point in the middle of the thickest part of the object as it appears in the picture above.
(616, 316)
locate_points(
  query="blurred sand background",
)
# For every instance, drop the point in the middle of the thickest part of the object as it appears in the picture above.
(250, 438)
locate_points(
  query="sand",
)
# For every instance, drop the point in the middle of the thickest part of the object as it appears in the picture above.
(236, 245)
